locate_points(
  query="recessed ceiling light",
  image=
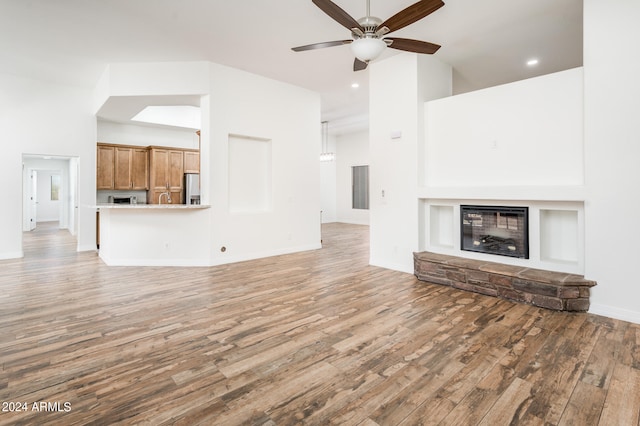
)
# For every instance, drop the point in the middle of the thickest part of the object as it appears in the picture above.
(355, 85)
(532, 62)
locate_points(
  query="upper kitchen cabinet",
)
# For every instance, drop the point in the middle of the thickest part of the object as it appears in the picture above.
(131, 168)
(191, 161)
(166, 175)
(105, 167)
(122, 167)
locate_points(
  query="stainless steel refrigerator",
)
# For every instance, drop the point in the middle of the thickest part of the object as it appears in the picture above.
(191, 188)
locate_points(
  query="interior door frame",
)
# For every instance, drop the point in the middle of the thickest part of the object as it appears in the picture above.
(33, 200)
(34, 162)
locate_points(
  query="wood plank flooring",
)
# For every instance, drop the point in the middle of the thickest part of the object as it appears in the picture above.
(312, 338)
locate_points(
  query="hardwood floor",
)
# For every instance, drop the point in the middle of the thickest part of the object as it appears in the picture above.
(317, 337)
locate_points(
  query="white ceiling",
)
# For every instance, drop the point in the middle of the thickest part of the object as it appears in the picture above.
(486, 41)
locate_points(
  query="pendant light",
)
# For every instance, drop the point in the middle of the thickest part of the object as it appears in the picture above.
(325, 155)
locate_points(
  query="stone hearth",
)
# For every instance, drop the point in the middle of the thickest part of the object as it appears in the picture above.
(547, 289)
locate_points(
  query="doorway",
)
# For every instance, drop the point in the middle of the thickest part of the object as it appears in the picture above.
(50, 188)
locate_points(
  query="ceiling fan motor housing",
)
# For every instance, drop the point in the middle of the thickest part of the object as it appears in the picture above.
(369, 24)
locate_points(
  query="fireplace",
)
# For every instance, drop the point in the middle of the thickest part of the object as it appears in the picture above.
(496, 230)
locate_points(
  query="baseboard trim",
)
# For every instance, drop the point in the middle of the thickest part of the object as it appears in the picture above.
(176, 263)
(615, 313)
(261, 255)
(12, 255)
(393, 266)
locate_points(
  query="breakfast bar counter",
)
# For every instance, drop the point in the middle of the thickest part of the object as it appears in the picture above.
(154, 234)
(152, 206)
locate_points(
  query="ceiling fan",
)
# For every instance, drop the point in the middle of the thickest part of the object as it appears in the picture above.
(367, 33)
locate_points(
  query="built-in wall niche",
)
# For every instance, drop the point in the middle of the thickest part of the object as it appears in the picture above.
(250, 188)
(441, 226)
(559, 236)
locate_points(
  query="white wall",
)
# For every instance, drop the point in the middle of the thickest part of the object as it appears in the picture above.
(152, 78)
(328, 185)
(527, 133)
(139, 135)
(48, 209)
(612, 150)
(351, 150)
(43, 118)
(394, 167)
(247, 105)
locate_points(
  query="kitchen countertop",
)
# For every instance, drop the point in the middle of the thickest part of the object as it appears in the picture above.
(153, 206)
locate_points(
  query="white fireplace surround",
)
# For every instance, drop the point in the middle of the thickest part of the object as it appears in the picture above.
(484, 148)
(556, 232)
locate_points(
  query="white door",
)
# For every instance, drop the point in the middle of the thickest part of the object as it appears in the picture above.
(33, 200)
(73, 203)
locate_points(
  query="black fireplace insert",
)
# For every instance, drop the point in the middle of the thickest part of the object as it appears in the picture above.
(495, 230)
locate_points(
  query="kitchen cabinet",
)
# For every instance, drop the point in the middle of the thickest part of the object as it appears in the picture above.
(131, 168)
(191, 161)
(122, 167)
(104, 168)
(166, 175)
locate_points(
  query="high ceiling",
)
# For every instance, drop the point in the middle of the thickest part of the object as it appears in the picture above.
(486, 41)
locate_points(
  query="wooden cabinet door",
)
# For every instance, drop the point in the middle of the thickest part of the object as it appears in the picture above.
(176, 170)
(167, 171)
(139, 169)
(191, 162)
(122, 168)
(105, 167)
(154, 195)
(159, 175)
(176, 196)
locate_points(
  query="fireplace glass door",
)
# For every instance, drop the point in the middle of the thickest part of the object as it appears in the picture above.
(496, 230)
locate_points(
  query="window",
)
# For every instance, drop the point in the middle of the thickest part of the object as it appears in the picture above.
(360, 187)
(55, 187)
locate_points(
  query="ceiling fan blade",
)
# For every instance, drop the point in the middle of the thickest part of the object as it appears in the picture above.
(411, 14)
(410, 45)
(359, 65)
(321, 45)
(338, 15)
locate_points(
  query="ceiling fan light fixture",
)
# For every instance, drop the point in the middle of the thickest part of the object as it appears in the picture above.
(368, 48)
